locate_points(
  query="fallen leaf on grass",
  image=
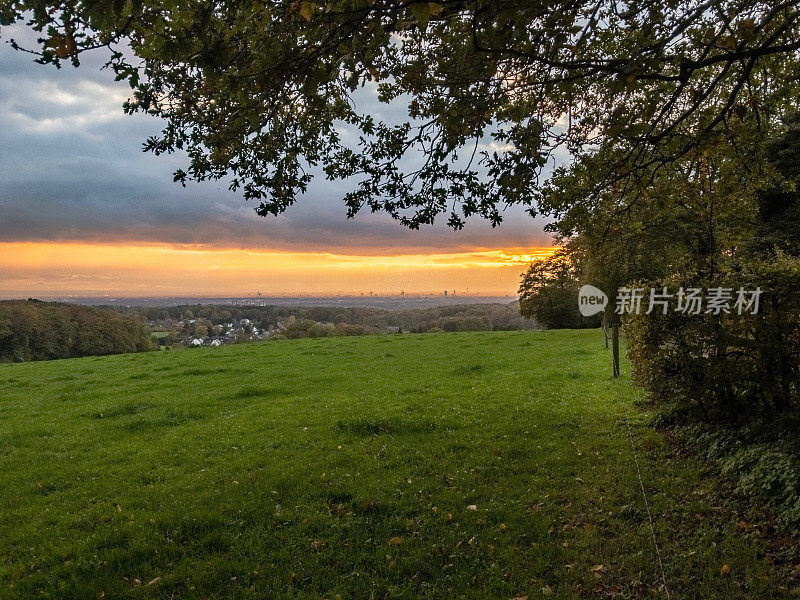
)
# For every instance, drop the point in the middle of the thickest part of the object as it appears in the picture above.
(395, 541)
(725, 570)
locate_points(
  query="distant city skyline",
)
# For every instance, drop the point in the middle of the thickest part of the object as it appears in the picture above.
(62, 269)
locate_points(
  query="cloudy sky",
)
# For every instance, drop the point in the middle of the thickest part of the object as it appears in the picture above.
(84, 211)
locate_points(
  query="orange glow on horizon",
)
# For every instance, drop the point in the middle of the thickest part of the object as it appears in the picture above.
(47, 268)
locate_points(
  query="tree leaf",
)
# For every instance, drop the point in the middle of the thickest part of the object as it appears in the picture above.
(422, 13)
(307, 10)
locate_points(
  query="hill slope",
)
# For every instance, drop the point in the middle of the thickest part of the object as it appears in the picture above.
(481, 465)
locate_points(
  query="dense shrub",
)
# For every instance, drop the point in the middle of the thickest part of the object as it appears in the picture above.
(730, 382)
(725, 369)
(731, 385)
(761, 462)
(345, 329)
(735, 368)
(33, 330)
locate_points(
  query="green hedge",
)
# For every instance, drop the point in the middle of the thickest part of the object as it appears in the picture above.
(762, 463)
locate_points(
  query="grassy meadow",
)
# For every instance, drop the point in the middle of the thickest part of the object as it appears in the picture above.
(471, 465)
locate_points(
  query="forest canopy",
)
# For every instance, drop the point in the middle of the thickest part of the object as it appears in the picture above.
(35, 330)
(262, 93)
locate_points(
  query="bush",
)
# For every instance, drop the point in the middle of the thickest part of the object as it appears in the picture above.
(344, 329)
(726, 369)
(760, 461)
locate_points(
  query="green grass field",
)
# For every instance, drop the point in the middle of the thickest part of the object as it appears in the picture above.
(485, 465)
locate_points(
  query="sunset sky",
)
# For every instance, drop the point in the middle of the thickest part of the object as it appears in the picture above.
(83, 211)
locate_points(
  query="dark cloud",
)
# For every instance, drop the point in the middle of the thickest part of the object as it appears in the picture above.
(71, 168)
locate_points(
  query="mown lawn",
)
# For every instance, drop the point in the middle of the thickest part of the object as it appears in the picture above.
(486, 465)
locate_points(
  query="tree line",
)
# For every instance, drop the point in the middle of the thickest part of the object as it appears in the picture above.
(323, 321)
(35, 330)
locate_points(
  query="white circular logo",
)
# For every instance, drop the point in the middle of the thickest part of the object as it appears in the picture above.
(591, 300)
